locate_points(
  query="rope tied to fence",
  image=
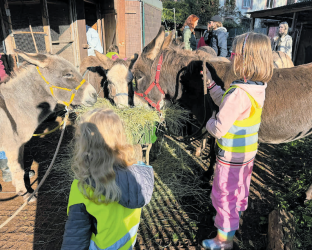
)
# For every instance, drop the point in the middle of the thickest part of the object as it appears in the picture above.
(44, 177)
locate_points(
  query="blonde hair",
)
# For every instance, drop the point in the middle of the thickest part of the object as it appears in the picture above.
(218, 24)
(254, 60)
(286, 28)
(100, 145)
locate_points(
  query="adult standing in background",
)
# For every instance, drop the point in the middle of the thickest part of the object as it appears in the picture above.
(93, 39)
(189, 38)
(219, 35)
(283, 42)
(206, 36)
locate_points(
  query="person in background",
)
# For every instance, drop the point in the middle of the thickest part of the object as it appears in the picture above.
(6, 174)
(218, 38)
(283, 42)
(189, 38)
(205, 37)
(113, 52)
(236, 127)
(93, 39)
(110, 187)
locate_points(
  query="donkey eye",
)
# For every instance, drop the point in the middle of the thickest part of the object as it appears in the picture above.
(68, 75)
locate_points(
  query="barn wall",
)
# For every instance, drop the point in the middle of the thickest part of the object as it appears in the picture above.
(304, 54)
(61, 33)
(133, 28)
(152, 19)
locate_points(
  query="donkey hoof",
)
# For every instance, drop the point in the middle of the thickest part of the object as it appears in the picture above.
(0, 188)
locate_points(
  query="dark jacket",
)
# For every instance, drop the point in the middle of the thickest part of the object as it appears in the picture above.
(136, 184)
(218, 41)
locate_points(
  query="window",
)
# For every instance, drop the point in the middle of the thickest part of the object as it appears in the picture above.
(247, 3)
(270, 3)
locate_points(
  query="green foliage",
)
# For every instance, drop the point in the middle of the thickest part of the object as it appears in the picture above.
(229, 24)
(292, 199)
(182, 11)
(204, 9)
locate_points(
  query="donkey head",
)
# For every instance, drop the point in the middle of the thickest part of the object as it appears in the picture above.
(56, 71)
(119, 78)
(144, 69)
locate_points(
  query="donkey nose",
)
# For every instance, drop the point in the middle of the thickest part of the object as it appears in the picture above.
(94, 95)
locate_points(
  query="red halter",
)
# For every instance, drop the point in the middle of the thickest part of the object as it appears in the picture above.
(153, 84)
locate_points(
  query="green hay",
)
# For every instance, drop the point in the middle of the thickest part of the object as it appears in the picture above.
(140, 122)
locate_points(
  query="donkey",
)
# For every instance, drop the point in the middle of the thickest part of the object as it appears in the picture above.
(28, 98)
(288, 107)
(282, 60)
(112, 78)
(284, 118)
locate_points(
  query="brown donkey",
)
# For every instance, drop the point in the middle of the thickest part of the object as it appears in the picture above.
(288, 106)
(26, 100)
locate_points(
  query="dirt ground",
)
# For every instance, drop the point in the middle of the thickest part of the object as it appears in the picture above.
(168, 222)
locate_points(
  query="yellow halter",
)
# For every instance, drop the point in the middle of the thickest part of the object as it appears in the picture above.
(70, 90)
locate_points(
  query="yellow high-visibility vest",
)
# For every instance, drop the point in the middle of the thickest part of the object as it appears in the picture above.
(243, 135)
(117, 226)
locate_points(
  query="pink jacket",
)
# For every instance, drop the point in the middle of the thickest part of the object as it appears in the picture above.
(235, 106)
(2, 71)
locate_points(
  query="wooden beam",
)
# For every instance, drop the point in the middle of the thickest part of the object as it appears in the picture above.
(120, 29)
(252, 24)
(278, 11)
(294, 22)
(81, 29)
(281, 230)
(297, 41)
(46, 26)
(9, 39)
(33, 37)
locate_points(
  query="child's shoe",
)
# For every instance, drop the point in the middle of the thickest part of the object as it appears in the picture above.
(223, 241)
(216, 244)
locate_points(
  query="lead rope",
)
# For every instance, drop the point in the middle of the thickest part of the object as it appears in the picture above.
(44, 177)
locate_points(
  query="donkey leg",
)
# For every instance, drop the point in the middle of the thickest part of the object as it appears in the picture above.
(17, 172)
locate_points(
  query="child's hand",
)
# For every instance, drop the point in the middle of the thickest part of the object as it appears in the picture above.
(208, 76)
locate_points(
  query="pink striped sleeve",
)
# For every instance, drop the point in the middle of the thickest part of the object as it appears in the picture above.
(233, 106)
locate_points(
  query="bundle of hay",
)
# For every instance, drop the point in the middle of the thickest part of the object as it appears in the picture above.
(140, 122)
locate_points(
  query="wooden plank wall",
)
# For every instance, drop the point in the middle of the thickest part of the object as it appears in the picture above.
(121, 25)
(81, 29)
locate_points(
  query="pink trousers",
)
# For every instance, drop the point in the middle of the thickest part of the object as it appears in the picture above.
(230, 192)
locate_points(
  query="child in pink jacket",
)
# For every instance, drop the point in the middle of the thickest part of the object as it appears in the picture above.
(236, 129)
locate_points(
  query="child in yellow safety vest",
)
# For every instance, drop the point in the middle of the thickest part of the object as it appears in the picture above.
(109, 189)
(236, 129)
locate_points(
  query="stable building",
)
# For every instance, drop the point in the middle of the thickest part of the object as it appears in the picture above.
(59, 26)
(299, 18)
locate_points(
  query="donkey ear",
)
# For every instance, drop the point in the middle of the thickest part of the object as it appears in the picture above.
(168, 40)
(133, 60)
(104, 59)
(36, 59)
(153, 48)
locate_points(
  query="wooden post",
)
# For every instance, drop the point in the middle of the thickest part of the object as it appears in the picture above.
(252, 24)
(294, 23)
(120, 29)
(281, 231)
(46, 26)
(9, 39)
(82, 33)
(33, 37)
